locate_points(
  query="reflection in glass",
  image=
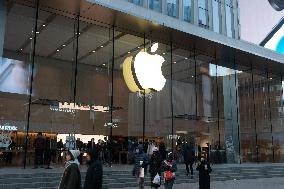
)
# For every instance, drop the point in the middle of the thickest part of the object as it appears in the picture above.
(229, 20)
(202, 13)
(138, 2)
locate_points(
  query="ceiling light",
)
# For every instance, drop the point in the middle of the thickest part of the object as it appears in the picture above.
(175, 62)
(128, 52)
(185, 58)
(63, 45)
(104, 64)
(93, 51)
(43, 25)
(164, 53)
(192, 76)
(138, 47)
(270, 78)
(102, 46)
(31, 38)
(21, 49)
(57, 50)
(37, 32)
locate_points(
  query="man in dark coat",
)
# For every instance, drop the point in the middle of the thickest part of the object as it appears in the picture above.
(94, 175)
(155, 164)
(189, 158)
(204, 171)
(39, 145)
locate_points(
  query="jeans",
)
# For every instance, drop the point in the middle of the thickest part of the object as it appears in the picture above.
(169, 184)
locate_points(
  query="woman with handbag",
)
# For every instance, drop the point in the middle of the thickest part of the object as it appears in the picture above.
(155, 164)
(169, 167)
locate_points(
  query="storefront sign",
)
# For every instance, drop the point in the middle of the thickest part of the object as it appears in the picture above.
(144, 72)
(73, 107)
(8, 128)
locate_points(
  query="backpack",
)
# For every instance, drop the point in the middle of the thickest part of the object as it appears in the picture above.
(169, 175)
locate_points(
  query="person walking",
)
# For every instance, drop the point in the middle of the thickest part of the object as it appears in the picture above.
(169, 167)
(140, 166)
(204, 173)
(94, 175)
(39, 145)
(189, 158)
(71, 178)
(155, 164)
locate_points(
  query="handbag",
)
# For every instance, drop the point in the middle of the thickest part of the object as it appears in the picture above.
(157, 179)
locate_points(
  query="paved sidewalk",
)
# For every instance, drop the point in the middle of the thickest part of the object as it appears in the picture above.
(263, 183)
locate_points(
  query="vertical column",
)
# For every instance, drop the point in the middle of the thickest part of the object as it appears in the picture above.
(3, 12)
(210, 14)
(180, 9)
(195, 12)
(236, 25)
(146, 4)
(223, 18)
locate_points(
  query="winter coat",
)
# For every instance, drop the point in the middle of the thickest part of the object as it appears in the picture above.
(141, 156)
(155, 164)
(204, 177)
(189, 155)
(166, 167)
(94, 176)
(71, 178)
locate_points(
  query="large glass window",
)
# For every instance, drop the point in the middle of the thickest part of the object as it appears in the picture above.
(137, 2)
(187, 10)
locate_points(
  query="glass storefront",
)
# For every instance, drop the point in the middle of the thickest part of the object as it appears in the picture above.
(62, 75)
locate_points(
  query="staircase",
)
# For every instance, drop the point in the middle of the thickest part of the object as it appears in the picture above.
(117, 177)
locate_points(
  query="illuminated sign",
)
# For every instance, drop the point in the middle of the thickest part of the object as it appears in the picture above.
(8, 128)
(73, 107)
(144, 72)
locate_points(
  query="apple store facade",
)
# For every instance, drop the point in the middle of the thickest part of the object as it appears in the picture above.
(63, 72)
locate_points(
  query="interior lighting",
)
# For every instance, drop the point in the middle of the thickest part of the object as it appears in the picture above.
(43, 25)
(185, 58)
(128, 52)
(102, 46)
(57, 50)
(31, 38)
(164, 53)
(21, 49)
(93, 51)
(104, 64)
(175, 62)
(63, 45)
(138, 47)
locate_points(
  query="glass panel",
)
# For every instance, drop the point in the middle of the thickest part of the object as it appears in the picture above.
(172, 8)
(15, 71)
(187, 10)
(155, 5)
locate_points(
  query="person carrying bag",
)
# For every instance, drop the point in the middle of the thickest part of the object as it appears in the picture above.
(169, 167)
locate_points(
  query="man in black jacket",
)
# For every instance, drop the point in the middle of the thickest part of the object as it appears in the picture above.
(94, 175)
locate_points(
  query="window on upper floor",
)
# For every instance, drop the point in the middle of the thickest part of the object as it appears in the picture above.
(229, 18)
(172, 8)
(203, 16)
(137, 2)
(187, 10)
(155, 5)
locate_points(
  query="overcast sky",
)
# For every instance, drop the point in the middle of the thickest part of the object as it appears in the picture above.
(257, 18)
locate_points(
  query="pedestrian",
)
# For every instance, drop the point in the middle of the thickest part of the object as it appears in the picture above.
(189, 158)
(169, 167)
(94, 175)
(47, 153)
(39, 145)
(204, 173)
(155, 164)
(71, 178)
(140, 165)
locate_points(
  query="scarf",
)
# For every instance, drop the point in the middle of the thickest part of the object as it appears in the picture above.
(70, 162)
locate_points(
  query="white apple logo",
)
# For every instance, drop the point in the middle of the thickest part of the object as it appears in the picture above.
(144, 71)
(148, 69)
